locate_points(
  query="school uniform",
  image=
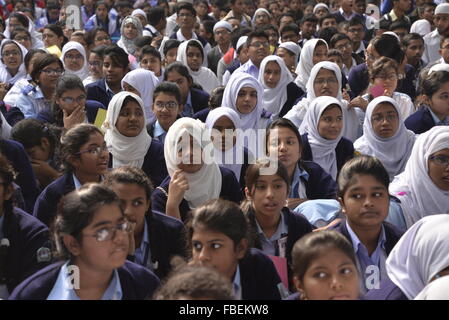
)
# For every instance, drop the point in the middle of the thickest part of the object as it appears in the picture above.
(91, 109)
(26, 179)
(99, 91)
(136, 283)
(318, 184)
(202, 114)
(29, 247)
(165, 239)
(421, 120)
(344, 151)
(230, 190)
(294, 93)
(199, 99)
(258, 277)
(387, 291)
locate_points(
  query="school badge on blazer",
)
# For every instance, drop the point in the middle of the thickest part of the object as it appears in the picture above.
(43, 255)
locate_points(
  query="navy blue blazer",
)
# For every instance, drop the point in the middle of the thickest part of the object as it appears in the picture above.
(97, 91)
(293, 94)
(258, 277)
(388, 291)
(27, 236)
(137, 283)
(359, 80)
(344, 150)
(200, 99)
(420, 121)
(320, 184)
(230, 190)
(202, 115)
(16, 155)
(91, 112)
(47, 202)
(167, 239)
(153, 163)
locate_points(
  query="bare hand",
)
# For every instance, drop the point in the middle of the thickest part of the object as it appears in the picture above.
(132, 242)
(346, 96)
(358, 102)
(77, 116)
(156, 41)
(178, 186)
(4, 88)
(334, 222)
(44, 172)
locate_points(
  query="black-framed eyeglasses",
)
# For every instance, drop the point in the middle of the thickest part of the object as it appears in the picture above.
(440, 160)
(96, 151)
(56, 72)
(259, 44)
(171, 105)
(109, 233)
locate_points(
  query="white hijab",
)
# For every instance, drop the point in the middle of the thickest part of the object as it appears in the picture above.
(82, 73)
(394, 151)
(144, 81)
(274, 98)
(125, 43)
(126, 151)
(415, 189)
(5, 76)
(36, 37)
(203, 76)
(231, 158)
(204, 184)
(420, 254)
(305, 64)
(323, 150)
(436, 290)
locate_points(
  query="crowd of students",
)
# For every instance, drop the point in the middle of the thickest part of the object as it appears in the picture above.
(242, 149)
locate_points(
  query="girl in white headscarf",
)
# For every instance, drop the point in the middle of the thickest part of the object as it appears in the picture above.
(436, 290)
(323, 140)
(331, 87)
(128, 140)
(142, 82)
(423, 187)
(314, 51)
(195, 177)
(130, 29)
(420, 256)
(12, 66)
(385, 135)
(278, 85)
(191, 54)
(75, 60)
(36, 37)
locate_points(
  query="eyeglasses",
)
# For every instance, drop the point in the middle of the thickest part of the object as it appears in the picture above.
(55, 72)
(73, 56)
(355, 30)
(344, 46)
(11, 53)
(26, 38)
(168, 105)
(321, 81)
(390, 118)
(440, 160)
(259, 44)
(185, 15)
(391, 77)
(72, 100)
(96, 151)
(108, 233)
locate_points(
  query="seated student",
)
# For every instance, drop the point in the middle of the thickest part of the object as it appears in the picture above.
(139, 43)
(69, 105)
(228, 64)
(192, 180)
(328, 256)
(194, 282)
(150, 59)
(41, 143)
(314, 51)
(218, 235)
(115, 67)
(422, 188)
(420, 257)
(434, 111)
(104, 18)
(215, 99)
(275, 227)
(25, 243)
(157, 238)
(385, 136)
(22, 36)
(130, 29)
(306, 179)
(364, 198)
(95, 60)
(323, 140)
(289, 51)
(166, 107)
(384, 75)
(191, 54)
(98, 37)
(128, 141)
(193, 100)
(75, 60)
(229, 152)
(435, 290)
(12, 67)
(280, 92)
(170, 50)
(85, 158)
(142, 82)
(93, 214)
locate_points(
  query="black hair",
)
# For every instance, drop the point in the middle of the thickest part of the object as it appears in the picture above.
(65, 83)
(326, 16)
(237, 33)
(388, 45)
(56, 29)
(362, 165)
(256, 34)
(179, 68)
(309, 18)
(327, 33)
(399, 24)
(23, 19)
(76, 211)
(433, 82)
(99, 50)
(334, 53)
(169, 88)
(155, 15)
(41, 62)
(117, 55)
(355, 21)
(17, 30)
(29, 56)
(142, 41)
(410, 37)
(254, 172)
(186, 6)
(130, 175)
(8, 175)
(216, 97)
(290, 27)
(338, 37)
(151, 51)
(91, 35)
(123, 4)
(170, 44)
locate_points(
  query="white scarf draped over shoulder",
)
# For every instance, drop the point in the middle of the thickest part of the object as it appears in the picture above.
(394, 151)
(82, 73)
(305, 64)
(203, 76)
(415, 189)
(323, 150)
(5, 76)
(274, 98)
(126, 151)
(145, 82)
(204, 184)
(420, 254)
